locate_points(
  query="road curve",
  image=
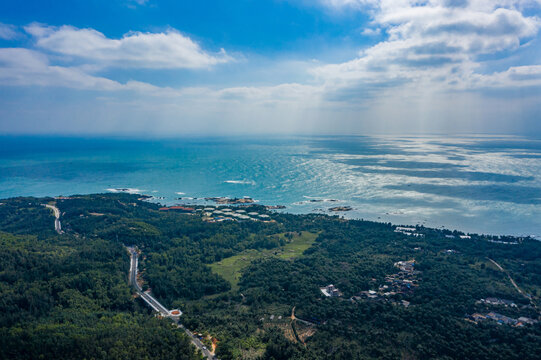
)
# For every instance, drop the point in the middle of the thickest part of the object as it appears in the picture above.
(157, 306)
(57, 225)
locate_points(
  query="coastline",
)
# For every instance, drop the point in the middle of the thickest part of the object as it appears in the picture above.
(344, 212)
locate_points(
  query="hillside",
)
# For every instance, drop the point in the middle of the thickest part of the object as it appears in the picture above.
(256, 288)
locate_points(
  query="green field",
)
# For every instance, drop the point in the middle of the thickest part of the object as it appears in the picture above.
(231, 268)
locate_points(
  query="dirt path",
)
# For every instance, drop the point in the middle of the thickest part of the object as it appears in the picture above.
(510, 279)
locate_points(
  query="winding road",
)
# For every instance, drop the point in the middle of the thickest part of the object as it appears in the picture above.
(57, 225)
(157, 306)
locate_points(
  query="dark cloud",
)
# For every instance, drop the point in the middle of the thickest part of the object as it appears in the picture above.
(503, 24)
(434, 48)
(426, 61)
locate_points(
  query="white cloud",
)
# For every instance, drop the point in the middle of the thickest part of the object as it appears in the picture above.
(28, 67)
(371, 31)
(7, 32)
(434, 41)
(453, 3)
(133, 4)
(516, 76)
(165, 50)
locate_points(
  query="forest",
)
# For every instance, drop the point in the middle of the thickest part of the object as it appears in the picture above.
(67, 295)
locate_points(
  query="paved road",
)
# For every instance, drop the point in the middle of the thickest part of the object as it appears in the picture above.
(57, 225)
(157, 306)
(149, 299)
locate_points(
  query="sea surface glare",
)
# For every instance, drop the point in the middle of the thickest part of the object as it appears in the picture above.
(484, 184)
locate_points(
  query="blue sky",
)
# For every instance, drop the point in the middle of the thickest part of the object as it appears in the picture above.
(270, 66)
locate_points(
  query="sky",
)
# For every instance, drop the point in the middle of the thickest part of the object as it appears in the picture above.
(170, 68)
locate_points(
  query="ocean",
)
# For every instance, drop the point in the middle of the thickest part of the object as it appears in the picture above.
(481, 184)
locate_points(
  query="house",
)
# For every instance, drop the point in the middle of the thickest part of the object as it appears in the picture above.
(526, 320)
(478, 317)
(370, 294)
(496, 301)
(501, 319)
(401, 229)
(330, 291)
(406, 266)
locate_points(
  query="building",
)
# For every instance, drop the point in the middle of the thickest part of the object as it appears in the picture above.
(401, 229)
(407, 266)
(410, 231)
(526, 320)
(501, 319)
(331, 291)
(496, 301)
(478, 317)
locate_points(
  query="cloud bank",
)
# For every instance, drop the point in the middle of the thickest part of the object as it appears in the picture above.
(441, 42)
(463, 65)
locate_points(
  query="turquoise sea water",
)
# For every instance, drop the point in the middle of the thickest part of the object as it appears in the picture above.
(485, 184)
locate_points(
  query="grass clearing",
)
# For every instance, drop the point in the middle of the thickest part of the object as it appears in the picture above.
(231, 268)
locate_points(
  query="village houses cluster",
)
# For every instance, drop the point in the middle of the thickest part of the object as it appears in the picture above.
(213, 214)
(404, 282)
